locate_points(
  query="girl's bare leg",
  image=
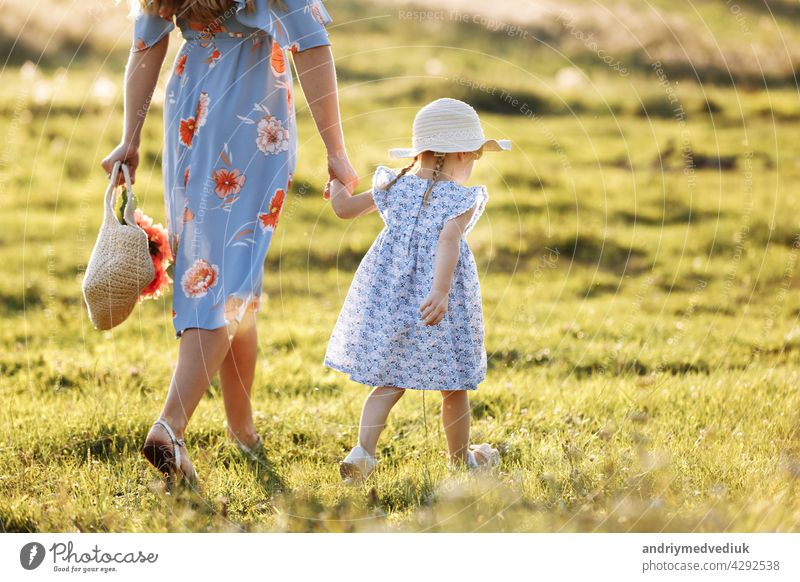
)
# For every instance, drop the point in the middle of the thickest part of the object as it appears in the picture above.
(374, 414)
(236, 377)
(456, 421)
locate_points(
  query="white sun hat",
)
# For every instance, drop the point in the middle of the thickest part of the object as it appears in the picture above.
(448, 125)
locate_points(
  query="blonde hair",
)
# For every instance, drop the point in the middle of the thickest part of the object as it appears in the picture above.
(437, 170)
(197, 10)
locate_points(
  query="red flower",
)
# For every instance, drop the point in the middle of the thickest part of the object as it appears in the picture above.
(160, 252)
(189, 127)
(212, 60)
(228, 182)
(185, 177)
(187, 130)
(315, 12)
(180, 66)
(269, 219)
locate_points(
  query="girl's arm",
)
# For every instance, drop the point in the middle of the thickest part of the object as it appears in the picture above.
(447, 249)
(317, 75)
(141, 77)
(348, 206)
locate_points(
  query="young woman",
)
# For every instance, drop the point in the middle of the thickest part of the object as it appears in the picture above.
(228, 158)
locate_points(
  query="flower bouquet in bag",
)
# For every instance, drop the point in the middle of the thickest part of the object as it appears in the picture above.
(128, 261)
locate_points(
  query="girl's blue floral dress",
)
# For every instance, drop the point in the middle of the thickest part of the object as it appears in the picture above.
(379, 338)
(229, 149)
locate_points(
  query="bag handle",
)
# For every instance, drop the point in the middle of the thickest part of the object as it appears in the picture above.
(111, 195)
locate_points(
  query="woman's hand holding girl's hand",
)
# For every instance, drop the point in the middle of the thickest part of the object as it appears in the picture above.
(340, 168)
(124, 152)
(336, 189)
(434, 307)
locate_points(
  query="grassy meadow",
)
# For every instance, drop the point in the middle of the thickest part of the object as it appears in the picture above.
(638, 260)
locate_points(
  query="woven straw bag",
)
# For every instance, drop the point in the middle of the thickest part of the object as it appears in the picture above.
(120, 266)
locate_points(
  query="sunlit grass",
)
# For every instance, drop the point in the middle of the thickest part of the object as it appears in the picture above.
(641, 315)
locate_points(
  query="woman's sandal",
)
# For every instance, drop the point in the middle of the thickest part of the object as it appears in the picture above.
(166, 458)
(253, 453)
(357, 465)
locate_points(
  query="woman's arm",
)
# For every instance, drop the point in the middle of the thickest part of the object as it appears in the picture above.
(447, 250)
(347, 206)
(317, 75)
(141, 77)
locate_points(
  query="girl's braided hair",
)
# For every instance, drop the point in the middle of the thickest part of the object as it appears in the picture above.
(402, 173)
(437, 170)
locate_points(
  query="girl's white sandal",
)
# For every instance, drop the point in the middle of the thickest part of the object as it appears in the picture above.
(491, 455)
(357, 465)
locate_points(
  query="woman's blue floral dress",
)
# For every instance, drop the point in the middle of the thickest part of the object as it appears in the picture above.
(229, 149)
(379, 338)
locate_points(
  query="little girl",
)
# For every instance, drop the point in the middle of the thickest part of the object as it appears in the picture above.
(412, 318)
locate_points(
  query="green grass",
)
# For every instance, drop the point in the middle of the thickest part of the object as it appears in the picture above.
(641, 319)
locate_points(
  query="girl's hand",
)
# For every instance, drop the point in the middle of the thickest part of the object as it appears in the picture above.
(336, 189)
(124, 152)
(434, 307)
(340, 168)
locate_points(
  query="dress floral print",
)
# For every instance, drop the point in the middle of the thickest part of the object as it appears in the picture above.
(230, 144)
(379, 338)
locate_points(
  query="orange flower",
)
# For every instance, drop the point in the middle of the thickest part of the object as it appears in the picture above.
(269, 219)
(180, 66)
(160, 253)
(199, 278)
(185, 177)
(277, 61)
(188, 215)
(228, 182)
(212, 60)
(233, 305)
(187, 129)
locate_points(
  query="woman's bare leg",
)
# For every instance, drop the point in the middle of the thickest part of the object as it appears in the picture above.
(236, 377)
(200, 354)
(374, 414)
(456, 421)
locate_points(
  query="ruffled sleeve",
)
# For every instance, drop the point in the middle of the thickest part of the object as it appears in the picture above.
(148, 29)
(382, 176)
(301, 26)
(473, 196)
